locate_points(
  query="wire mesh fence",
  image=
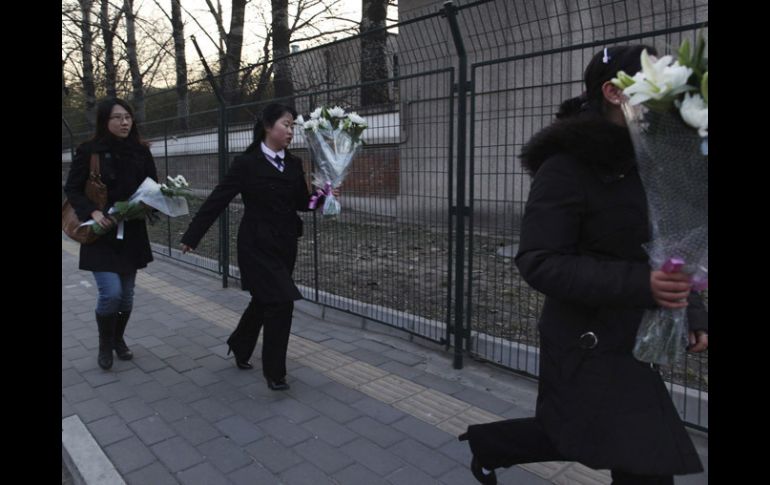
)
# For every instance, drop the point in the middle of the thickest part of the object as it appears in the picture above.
(392, 254)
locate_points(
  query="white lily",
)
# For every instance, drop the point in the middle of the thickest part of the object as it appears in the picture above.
(337, 112)
(658, 80)
(695, 113)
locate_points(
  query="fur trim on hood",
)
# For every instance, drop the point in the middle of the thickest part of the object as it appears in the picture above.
(589, 139)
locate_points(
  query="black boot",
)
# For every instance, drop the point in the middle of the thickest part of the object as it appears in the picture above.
(106, 324)
(124, 353)
(489, 478)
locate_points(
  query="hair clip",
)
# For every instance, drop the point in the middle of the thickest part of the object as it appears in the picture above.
(606, 58)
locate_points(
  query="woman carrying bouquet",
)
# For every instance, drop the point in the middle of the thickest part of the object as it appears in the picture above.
(125, 161)
(272, 185)
(581, 245)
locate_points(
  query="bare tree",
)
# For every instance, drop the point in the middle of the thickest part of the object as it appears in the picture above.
(266, 67)
(180, 61)
(137, 84)
(64, 90)
(374, 65)
(281, 40)
(230, 46)
(109, 28)
(87, 76)
(307, 27)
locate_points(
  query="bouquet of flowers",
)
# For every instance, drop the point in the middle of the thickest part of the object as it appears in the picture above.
(170, 199)
(334, 138)
(667, 117)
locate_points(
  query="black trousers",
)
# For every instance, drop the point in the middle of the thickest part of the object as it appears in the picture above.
(517, 441)
(276, 319)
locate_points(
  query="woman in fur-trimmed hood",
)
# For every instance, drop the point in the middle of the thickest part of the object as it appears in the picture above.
(581, 245)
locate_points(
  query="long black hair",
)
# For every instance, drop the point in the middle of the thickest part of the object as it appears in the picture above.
(266, 119)
(604, 66)
(103, 112)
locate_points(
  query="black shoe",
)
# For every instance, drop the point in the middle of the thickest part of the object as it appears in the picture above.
(241, 364)
(277, 385)
(484, 478)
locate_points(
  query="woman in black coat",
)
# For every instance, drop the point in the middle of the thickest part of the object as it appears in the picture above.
(125, 161)
(581, 245)
(272, 184)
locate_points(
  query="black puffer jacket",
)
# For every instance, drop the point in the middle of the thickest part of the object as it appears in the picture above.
(581, 246)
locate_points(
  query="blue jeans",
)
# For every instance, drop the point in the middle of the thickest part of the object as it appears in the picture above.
(116, 292)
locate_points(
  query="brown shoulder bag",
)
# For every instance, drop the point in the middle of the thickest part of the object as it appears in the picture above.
(96, 192)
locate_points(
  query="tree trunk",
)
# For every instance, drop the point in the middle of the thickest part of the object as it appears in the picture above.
(374, 63)
(137, 88)
(86, 38)
(234, 46)
(183, 102)
(109, 53)
(284, 87)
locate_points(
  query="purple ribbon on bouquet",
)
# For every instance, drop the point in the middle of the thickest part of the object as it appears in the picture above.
(327, 190)
(672, 265)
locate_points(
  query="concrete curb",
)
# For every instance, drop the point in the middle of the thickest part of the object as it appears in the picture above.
(84, 457)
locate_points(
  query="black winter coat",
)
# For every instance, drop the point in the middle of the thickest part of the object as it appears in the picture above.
(581, 245)
(124, 165)
(267, 236)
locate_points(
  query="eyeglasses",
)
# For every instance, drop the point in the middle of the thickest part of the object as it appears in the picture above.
(121, 117)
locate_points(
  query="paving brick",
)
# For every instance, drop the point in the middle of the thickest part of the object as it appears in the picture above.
(176, 454)
(203, 474)
(224, 455)
(129, 455)
(372, 456)
(155, 474)
(239, 430)
(151, 430)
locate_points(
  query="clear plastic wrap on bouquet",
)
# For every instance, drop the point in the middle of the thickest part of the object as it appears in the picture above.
(333, 137)
(150, 194)
(333, 150)
(674, 172)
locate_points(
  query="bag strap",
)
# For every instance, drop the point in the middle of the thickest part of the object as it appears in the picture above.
(95, 173)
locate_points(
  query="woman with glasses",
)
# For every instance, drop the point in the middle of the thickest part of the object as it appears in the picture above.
(114, 258)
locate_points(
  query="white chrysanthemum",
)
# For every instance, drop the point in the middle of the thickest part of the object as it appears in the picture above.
(324, 124)
(337, 112)
(355, 118)
(300, 121)
(695, 113)
(315, 114)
